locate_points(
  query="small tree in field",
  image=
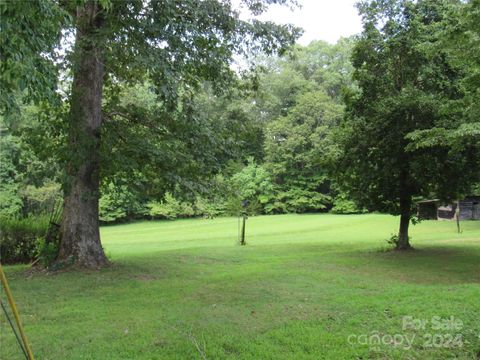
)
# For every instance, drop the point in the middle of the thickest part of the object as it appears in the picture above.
(406, 83)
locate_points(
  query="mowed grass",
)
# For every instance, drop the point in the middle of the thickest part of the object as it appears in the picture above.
(305, 287)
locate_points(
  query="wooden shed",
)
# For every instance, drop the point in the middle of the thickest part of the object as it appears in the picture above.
(469, 209)
(446, 212)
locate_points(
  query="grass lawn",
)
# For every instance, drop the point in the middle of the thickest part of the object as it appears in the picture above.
(305, 287)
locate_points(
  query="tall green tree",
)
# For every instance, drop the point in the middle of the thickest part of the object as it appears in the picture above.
(174, 44)
(299, 102)
(295, 146)
(29, 181)
(404, 86)
(31, 33)
(460, 39)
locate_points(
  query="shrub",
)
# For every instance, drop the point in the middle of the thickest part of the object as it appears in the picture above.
(118, 203)
(10, 201)
(169, 208)
(208, 208)
(299, 200)
(253, 184)
(42, 199)
(342, 205)
(19, 238)
(46, 251)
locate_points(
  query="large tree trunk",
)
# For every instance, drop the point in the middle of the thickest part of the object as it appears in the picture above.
(80, 243)
(403, 242)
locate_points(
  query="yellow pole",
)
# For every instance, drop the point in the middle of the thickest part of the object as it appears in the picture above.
(15, 313)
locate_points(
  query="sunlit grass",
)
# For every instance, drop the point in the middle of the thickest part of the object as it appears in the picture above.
(301, 289)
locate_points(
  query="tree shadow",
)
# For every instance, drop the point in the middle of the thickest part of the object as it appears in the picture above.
(429, 264)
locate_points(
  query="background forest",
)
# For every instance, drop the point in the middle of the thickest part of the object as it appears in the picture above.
(374, 122)
(265, 140)
(117, 112)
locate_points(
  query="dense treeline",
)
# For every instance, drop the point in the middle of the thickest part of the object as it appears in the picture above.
(266, 138)
(371, 123)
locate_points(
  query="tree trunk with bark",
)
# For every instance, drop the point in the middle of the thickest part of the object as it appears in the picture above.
(403, 242)
(80, 242)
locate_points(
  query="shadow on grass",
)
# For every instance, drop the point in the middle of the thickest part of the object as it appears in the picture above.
(427, 264)
(432, 264)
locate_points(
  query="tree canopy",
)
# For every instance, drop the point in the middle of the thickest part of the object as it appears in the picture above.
(135, 109)
(407, 84)
(174, 45)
